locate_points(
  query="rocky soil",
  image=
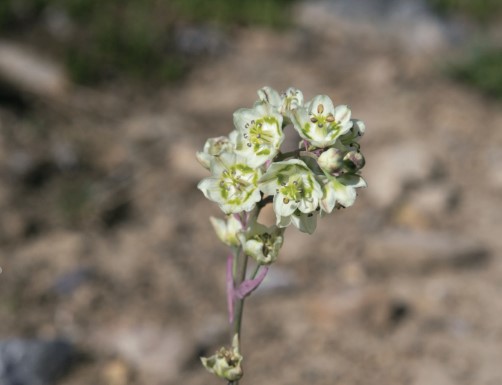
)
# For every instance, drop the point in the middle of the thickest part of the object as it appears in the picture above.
(105, 240)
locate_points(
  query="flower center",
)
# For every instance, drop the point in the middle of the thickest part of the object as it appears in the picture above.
(293, 189)
(257, 134)
(235, 180)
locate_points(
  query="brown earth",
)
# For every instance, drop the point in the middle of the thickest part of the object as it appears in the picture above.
(106, 240)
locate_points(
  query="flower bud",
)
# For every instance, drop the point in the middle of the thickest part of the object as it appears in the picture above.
(331, 160)
(228, 230)
(353, 161)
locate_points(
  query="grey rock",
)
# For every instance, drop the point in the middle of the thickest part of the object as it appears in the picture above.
(157, 353)
(67, 283)
(31, 73)
(493, 161)
(199, 40)
(436, 198)
(393, 168)
(397, 250)
(409, 22)
(34, 362)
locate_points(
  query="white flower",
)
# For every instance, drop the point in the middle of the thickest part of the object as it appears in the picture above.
(284, 103)
(293, 186)
(228, 231)
(320, 123)
(263, 243)
(226, 363)
(270, 96)
(214, 147)
(306, 223)
(357, 130)
(341, 191)
(233, 185)
(260, 133)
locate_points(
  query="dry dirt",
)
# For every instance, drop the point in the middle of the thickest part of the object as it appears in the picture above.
(105, 239)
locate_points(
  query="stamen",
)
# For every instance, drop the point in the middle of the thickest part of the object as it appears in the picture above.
(245, 136)
(330, 118)
(249, 144)
(319, 125)
(310, 215)
(313, 120)
(285, 201)
(320, 108)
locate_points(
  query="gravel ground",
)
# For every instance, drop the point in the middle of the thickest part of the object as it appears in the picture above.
(105, 239)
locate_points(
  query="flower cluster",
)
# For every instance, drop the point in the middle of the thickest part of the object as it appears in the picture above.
(249, 170)
(248, 166)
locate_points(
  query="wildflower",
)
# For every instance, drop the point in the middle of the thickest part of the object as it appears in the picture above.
(233, 185)
(284, 103)
(225, 363)
(341, 191)
(263, 243)
(293, 186)
(228, 231)
(260, 133)
(306, 223)
(214, 147)
(320, 123)
(357, 130)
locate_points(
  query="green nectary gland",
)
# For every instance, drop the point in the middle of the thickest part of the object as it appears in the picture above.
(297, 189)
(235, 183)
(257, 136)
(268, 243)
(327, 123)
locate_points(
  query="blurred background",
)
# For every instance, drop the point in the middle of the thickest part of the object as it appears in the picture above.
(110, 271)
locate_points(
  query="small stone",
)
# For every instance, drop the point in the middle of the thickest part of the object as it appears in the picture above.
(31, 73)
(116, 372)
(158, 353)
(396, 250)
(426, 205)
(428, 373)
(435, 199)
(34, 362)
(493, 160)
(199, 40)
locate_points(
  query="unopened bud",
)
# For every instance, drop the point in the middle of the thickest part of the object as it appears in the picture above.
(353, 161)
(331, 160)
